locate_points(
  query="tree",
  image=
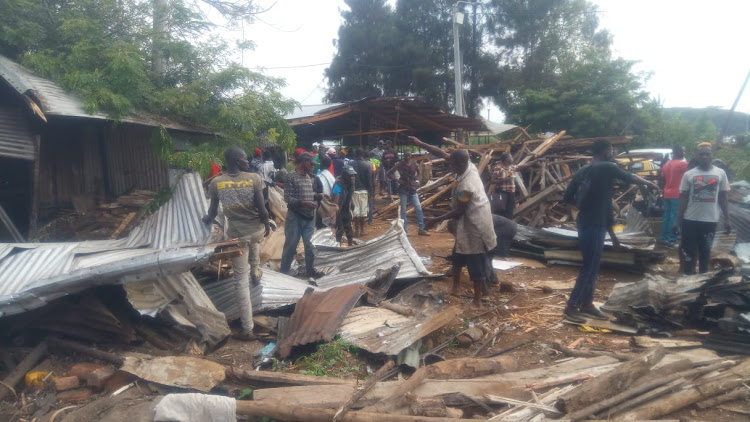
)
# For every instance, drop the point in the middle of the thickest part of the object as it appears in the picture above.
(102, 50)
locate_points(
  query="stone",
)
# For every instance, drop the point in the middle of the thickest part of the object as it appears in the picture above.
(99, 376)
(82, 370)
(75, 396)
(67, 383)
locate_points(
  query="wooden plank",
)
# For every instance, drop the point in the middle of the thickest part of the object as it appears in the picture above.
(542, 148)
(433, 198)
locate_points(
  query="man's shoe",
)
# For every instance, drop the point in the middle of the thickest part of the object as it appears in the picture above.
(423, 232)
(594, 312)
(573, 315)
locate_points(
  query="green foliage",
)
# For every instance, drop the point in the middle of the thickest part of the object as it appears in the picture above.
(104, 50)
(245, 394)
(327, 357)
(737, 158)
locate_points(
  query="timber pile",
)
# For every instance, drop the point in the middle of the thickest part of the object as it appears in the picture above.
(546, 165)
(90, 221)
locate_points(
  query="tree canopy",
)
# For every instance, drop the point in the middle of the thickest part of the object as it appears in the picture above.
(104, 50)
(545, 63)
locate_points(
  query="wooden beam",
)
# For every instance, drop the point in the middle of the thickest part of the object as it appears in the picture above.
(325, 116)
(373, 132)
(423, 118)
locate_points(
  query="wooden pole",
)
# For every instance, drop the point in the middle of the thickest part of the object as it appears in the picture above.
(286, 412)
(26, 365)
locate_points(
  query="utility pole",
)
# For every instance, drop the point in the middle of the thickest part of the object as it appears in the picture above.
(457, 60)
(725, 126)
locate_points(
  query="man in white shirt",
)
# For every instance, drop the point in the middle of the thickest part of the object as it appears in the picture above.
(703, 191)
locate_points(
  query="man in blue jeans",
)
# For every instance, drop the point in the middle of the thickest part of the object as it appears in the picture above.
(407, 190)
(672, 173)
(300, 217)
(591, 191)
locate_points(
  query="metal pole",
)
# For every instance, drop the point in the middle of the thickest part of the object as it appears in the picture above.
(457, 65)
(723, 129)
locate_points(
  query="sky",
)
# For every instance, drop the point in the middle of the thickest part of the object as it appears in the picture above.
(695, 51)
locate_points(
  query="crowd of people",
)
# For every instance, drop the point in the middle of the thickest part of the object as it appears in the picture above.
(324, 187)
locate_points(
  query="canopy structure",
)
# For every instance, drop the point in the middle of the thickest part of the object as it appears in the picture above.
(381, 118)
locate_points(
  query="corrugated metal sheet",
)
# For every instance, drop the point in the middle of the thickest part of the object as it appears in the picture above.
(379, 330)
(33, 274)
(317, 317)
(380, 253)
(178, 222)
(54, 101)
(33, 277)
(16, 139)
(132, 162)
(180, 298)
(276, 290)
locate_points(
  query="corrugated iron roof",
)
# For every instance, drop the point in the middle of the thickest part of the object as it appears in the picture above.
(180, 298)
(317, 317)
(32, 274)
(54, 101)
(16, 139)
(379, 253)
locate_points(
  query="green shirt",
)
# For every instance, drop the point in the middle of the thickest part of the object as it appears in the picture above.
(237, 196)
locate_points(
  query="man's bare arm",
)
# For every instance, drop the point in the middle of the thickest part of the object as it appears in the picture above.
(437, 152)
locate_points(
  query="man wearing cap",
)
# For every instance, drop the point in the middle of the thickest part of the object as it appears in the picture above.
(300, 218)
(342, 194)
(292, 164)
(241, 195)
(703, 191)
(257, 161)
(337, 162)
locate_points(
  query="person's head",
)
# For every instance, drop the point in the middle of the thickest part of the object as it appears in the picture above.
(602, 149)
(459, 161)
(704, 155)
(331, 152)
(359, 155)
(258, 152)
(266, 155)
(506, 159)
(678, 152)
(298, 151)
(321, 149)
(343, 153)
(381, 144)
(407, 156)
(236, 159)
(305, 162)
(325, 162)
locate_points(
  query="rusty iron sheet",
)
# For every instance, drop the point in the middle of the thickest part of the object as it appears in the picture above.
(318, 315)
(177, 371)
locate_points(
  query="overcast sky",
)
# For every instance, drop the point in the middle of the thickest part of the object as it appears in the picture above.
(697, 51)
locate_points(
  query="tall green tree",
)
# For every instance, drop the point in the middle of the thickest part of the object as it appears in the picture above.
(103, 50)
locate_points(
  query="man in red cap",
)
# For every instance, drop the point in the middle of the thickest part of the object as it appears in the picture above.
(291, 166)
(257, 161)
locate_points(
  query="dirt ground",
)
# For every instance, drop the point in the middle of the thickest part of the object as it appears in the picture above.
(530, 315)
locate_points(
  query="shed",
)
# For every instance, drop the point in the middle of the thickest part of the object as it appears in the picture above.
(364, 121)
(53, 152)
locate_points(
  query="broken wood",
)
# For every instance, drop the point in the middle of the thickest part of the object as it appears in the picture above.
(544, 408)
(625, 375)
(285, 412)
(737, 394)
(449, 369)
(361, 391)
(26, 365)
(728, 381)
(590, 354)
(434, 197)
(261, 378)
(643, 388)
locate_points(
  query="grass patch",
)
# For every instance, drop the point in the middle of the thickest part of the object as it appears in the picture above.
(334, 358)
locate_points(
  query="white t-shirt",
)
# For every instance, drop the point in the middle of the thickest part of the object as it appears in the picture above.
(703, 187)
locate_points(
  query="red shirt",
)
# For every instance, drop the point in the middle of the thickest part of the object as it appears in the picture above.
(672, 173)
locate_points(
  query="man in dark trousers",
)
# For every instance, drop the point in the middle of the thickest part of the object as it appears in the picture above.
(241, 195)
(591, 191)
(300, 217)
(364, 190)
(342, 194)
(702, 192)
